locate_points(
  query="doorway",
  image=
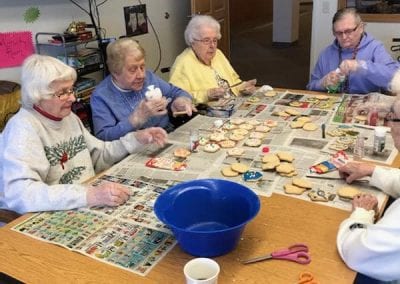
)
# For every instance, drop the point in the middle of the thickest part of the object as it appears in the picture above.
(252, 52)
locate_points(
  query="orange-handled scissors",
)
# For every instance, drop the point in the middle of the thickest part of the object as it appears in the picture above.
(297, 253)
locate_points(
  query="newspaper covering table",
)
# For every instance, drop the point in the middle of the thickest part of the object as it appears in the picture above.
(131, 237)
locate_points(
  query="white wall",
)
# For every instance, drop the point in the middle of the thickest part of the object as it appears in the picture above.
(57, 14)
(323, 12)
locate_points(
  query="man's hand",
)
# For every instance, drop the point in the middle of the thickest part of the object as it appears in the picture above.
(348, 65)
(331, 79)
(353, 170)
(155, 135)
(107, 194)
(366, 201)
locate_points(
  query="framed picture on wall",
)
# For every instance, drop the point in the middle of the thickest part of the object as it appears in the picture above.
(135, 20)
(386, 11)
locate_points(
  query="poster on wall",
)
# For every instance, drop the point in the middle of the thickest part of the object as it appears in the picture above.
(135, 20)
(14, 48)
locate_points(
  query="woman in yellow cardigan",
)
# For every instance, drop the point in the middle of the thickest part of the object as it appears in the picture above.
(202, 69)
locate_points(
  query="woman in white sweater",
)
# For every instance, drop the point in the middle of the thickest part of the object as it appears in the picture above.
(46, 152)
(373, 249)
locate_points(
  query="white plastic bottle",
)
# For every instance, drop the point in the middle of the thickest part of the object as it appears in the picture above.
(379, 139)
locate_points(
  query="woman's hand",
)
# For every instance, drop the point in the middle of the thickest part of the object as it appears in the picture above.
(107, 194)
(353, 170)
(183, 105)
(215, 93)
(331, 79)
(147, 109)
(155, 135)
(248, 87)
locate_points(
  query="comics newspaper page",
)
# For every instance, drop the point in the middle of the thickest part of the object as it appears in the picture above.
(277, 136)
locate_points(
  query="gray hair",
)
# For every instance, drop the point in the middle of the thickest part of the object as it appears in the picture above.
(340, 14)
(118, 50)
(38, 73)
(195, 25)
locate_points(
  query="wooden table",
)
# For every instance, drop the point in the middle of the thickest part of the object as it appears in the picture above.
(282, 221)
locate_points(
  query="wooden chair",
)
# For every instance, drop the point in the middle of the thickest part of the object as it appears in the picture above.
(6, 216)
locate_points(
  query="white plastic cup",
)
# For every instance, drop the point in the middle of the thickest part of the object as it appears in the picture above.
(201, 271)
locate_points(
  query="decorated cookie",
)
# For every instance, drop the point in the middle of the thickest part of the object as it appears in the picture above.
(240, 131)
(211, 147)
(257, 135)
(262, 128)
(252, 176)
(271, 123)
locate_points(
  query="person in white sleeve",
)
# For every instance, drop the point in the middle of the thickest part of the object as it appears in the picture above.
(46, 153)
(369, 247)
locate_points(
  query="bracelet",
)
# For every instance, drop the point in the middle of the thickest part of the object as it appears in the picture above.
(357, 226)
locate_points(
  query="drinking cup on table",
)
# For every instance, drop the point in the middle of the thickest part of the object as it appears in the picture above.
(201, 271)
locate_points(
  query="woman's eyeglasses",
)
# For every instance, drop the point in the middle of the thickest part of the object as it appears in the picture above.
(208, 41)
(65, 94)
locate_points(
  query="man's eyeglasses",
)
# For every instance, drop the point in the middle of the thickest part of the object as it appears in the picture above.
(208, 41)
(65, 94)
(345, 32)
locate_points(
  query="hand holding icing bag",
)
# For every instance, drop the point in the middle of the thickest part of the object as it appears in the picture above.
(153, 93)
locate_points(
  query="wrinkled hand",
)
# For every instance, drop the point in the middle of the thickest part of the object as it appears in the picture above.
(155, 135)
(183, 104)
(147, 109)
(248, 87)
(215, 93)
(353, 170)
(348, 65)
(331, 79)
(366, 201)
(107, 194)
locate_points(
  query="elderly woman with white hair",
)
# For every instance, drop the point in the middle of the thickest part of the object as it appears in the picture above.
(46, 153)
(365, 246)
(132, 97)
(202, 69)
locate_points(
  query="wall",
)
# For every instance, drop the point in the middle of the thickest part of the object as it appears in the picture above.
(57, 14)
(323, 12)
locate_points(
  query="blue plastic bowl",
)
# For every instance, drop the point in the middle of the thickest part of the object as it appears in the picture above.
(207, 216)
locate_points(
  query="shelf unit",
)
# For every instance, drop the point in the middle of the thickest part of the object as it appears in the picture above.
(84, 55)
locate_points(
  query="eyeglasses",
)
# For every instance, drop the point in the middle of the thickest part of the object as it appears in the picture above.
(208, 41)
(65, 94)
(345, 32)
(391, 117)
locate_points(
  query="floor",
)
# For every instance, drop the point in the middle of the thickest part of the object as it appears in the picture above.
(253, 56)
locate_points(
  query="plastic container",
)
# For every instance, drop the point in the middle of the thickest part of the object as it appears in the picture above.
(379, 139)
(207, 216)
(359, 148)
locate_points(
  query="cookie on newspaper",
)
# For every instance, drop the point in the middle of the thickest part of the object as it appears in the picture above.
(228, 172)
(310, 126)
(285, 156)
(211, 147)
(240, 167)
(235, 151)
(292, 189)
(227, 144)
(302, 182)
(253, 142)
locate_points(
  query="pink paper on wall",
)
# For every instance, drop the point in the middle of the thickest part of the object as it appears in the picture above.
(15, 47)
